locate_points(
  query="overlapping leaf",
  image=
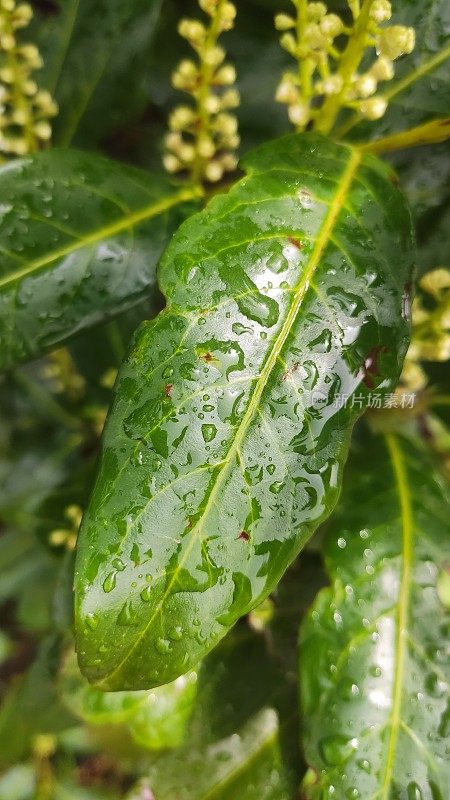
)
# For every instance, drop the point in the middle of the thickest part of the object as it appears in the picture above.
(373, 662)
(155, 720)
(225, 444)
(80, 237)
(96, 55)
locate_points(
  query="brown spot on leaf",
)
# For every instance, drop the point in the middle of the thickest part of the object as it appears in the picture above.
(290, 372)
(295, 242)
(244, 535)
(371, 367)
(168, 389)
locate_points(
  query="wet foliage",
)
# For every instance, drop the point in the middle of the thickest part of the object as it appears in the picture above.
(216, 580)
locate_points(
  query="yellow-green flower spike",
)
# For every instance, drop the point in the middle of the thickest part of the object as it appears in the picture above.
(431, 328)
(204, 136)
(329, 55)
(25, 110)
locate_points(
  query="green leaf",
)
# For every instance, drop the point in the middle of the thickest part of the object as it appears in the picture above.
(31, 705)
(420, 90)
(372, 652)
(80, 238)
(225, 444)
(247, 764)
(96, 61)
(156, 719)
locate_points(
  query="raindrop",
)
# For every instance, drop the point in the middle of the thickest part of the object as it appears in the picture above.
(110, 582)
(209, 432)
(163, 646)
(337, 749)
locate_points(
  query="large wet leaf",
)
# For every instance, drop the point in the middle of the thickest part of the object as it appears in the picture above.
(373, 666)
(420, 90)
(96, 63)
(225, 444)
(80, 238)
(246, 764)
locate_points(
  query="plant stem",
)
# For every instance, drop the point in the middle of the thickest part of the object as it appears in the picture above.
(205, 79)
(350, 61)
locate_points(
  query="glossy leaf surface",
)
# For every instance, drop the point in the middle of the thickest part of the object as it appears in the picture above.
(373, 662)
(225, 444)
(420, 90)
(80, 238)
(96, 63)
(246, 764)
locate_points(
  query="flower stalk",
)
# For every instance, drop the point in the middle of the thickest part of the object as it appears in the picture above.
(203, 136)
(329, 54)
(25, 110)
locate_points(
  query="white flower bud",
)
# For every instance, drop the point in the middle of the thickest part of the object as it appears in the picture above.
(289, 43)
(283, 22)
(185, 75)
(331, 85)
(227, 16)
(171, 163)
(314, 37)
(230, 99)
(229, 162)
(214, 171)
(29, 87)
(31, 54)
(373, 108)
(206, 147)
(316, 11)
(299, 114)
(382, 69)
(381, 11)
(287, 91)
(208, 6)
(7, 41)
(226, 124)
(181, 118)
(22, 15)
(212, 104)
(331, 26)
(214, 56)
(7, 75)
(192, 30)
(43, 130)
(173, 141)
(186, 153)
(365, 86)
(395, 41)
(225, 76)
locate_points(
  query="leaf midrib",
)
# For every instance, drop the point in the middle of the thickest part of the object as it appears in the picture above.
(321, 243)
(401, 478)
(152, 210)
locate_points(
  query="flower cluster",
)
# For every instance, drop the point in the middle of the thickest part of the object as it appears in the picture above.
(431, 328)
(24, 109)
(329, 54)
(204, 136)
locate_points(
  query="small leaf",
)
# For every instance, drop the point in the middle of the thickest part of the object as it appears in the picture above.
(80, 238)
(96, 61)
(373, 669)
(156, 719)
(225, 444)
